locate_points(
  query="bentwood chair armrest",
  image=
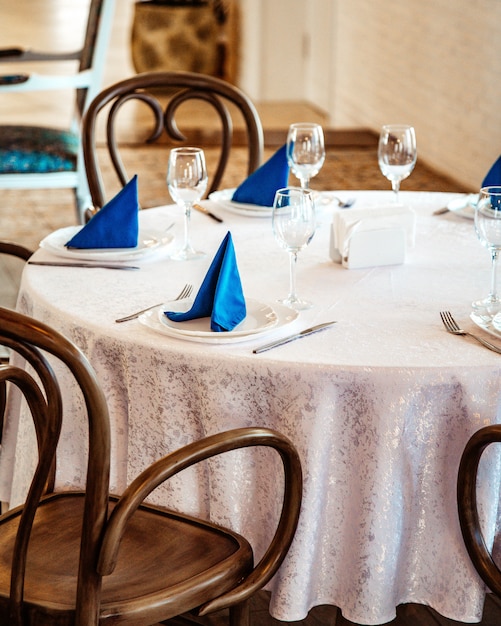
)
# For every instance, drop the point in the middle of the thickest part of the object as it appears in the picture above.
(38, 82)
(15, 249)
(19, 55)
(468, 509)
(191, 454)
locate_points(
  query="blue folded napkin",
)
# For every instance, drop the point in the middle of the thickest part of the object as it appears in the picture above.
(116, 225)
(220, 297)
(493, 176)
(260, 187)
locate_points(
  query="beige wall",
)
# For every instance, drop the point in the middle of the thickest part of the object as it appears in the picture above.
(435, 64)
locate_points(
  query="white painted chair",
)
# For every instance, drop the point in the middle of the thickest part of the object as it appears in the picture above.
(34, 157)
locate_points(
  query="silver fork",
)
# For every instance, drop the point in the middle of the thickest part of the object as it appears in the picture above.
(327, 198)
(184, 293)
(451, 326)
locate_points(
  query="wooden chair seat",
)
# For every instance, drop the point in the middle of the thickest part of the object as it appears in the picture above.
(36, 150)
(166, 562)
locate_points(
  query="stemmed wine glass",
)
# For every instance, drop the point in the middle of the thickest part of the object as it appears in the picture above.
(293, 222)
(397, 153)
(305, 151)
(187, 183)
(488, 229)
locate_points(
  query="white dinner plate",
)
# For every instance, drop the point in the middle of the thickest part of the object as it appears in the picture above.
(464, 206)
(485, 325)
(259, 317)
(148, 242)
(284, 315)
(224, 198)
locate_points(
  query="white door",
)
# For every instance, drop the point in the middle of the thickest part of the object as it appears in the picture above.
(319, 52)
(287, 50)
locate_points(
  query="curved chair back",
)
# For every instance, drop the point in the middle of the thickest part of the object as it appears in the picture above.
(469, 519)
(12, 257)
(182, 86)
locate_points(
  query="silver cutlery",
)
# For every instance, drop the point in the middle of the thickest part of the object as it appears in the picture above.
(107, 266)
(202, 209)
(441, 211)
(344, 204)
(327, 198)
(300, 335)
(451, 326)
(184, 293)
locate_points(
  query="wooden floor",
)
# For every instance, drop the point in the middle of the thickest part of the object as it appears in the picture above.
(38, 30)
(407, 615)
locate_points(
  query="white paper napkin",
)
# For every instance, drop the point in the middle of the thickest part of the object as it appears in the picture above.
(372, 236)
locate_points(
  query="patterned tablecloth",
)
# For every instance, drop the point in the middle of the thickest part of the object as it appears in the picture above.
(380, 405)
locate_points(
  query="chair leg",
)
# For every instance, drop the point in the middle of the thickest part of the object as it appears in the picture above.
(240, 614)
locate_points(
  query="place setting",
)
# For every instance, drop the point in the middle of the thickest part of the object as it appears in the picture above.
(465, 204)
(486, 311)
(111, 237)
(484, 208)
(220, 313)
(303, 154)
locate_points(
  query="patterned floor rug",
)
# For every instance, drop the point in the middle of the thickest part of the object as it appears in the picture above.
(27, 216)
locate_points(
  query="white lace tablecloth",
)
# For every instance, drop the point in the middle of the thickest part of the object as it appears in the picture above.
(380, 406)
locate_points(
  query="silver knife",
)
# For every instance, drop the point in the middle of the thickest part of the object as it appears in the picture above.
(441, 211)
(72, 264)
(303, 333)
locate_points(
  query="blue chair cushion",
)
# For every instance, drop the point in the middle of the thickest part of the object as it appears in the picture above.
(36, 150)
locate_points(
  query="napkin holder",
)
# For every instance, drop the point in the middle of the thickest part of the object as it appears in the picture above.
(372, 236)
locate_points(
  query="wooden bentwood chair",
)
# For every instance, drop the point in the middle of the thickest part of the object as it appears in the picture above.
(182, 87)
(87, 558)
(480, 555)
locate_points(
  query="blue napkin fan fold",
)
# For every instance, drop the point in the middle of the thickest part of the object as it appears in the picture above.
(221, 296)
(493, 176)
(260, 187)
(116, 225)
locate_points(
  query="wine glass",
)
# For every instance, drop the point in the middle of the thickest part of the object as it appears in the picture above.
(293, 222)
(305, 151)
(488, 229)
(397, 153)
(187, 183)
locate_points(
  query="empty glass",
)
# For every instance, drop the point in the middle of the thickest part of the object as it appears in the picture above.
(305, 151)
(397, 153)
(187, 183)
(293, 222)
(488, 229)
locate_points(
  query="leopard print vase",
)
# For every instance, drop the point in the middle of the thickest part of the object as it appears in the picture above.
(176, 38)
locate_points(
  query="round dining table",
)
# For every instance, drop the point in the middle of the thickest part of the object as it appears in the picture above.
(380, 405)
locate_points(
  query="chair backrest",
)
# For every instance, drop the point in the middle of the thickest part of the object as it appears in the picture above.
(12, 258)
(471, 527)
(91, 59)
(181, 86)
(35, 157)
(37, 344)
(92, 55)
